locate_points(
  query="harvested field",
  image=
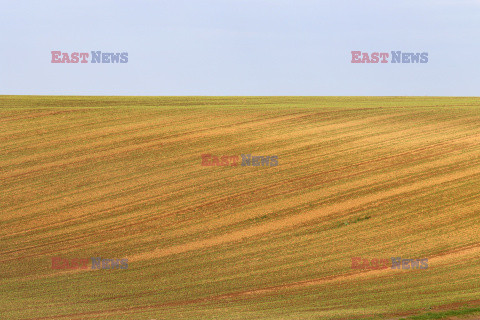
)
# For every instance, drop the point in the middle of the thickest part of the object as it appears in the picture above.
(122, 178)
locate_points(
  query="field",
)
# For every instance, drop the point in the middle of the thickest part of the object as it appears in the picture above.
(122, 177)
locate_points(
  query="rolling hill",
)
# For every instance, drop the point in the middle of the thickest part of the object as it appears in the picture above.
(122, 178)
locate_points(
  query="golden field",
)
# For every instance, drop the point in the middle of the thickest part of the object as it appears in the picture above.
(121, 177)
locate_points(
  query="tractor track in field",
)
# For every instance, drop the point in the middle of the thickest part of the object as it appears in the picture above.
(208, 204)
(128, 183)
(146, 144)
(473, 249)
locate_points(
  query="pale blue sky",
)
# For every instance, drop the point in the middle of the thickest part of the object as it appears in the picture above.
(240, 47)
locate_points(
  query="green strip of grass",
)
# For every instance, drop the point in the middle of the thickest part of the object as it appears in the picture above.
(444, 314)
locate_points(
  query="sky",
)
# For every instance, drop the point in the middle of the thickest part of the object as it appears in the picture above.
(240, 47)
